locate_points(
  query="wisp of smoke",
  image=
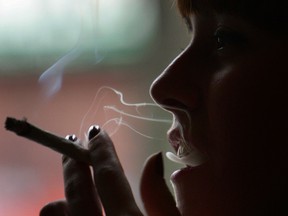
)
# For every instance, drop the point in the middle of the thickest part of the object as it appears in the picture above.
(116, 122)
(51, 79)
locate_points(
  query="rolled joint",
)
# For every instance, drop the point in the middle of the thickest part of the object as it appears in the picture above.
(64, 146)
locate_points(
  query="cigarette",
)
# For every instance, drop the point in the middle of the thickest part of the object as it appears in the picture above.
(57, 143)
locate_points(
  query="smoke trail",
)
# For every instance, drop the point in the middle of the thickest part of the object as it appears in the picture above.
(51, 79)
(113, 124)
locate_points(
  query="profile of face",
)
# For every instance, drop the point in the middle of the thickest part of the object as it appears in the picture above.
(227, 92)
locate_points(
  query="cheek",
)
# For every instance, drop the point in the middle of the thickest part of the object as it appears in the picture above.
(248, 122)
(242, 107)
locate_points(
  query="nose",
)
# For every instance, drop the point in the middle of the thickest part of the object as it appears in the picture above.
(179, 85)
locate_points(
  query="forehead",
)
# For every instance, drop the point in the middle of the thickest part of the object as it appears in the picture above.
(187, 7)
(271, 14)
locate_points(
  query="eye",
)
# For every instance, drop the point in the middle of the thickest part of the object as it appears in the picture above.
(228, 38)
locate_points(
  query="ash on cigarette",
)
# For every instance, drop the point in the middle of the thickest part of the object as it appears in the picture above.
(17, 126)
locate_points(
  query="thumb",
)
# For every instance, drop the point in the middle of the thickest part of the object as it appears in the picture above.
(157, 199)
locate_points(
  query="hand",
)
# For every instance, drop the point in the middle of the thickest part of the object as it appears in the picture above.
(109, 190)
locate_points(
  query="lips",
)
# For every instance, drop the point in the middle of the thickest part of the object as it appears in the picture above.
(186, 153)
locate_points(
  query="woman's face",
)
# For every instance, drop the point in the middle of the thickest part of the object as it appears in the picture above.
(226, 92)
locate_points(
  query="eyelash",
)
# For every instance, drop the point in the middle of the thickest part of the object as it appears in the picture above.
(226, 38)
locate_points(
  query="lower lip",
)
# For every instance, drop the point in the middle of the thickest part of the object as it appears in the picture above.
(188, 174)
(182, 173)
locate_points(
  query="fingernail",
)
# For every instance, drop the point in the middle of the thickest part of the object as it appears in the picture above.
(93, 131)
(159, 169)
(72, 137)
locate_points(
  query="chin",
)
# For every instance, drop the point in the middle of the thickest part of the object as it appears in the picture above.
(201, 191)
(194, 190)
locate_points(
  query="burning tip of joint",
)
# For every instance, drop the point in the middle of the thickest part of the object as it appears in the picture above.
(15, 125)
(67, 147)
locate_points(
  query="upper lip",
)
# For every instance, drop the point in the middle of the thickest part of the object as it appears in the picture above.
(187, 153)
(176, 136)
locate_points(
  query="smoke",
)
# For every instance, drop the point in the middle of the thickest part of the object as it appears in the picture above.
(50, 81)
(122, 113)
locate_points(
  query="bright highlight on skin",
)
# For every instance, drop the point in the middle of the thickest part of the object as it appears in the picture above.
(193, 158)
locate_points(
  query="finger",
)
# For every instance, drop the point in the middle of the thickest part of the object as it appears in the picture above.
(113, 187)
(80, 192)
(57, 208)
(157, 199)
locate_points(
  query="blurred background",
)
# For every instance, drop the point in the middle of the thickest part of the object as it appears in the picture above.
(63, 65)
